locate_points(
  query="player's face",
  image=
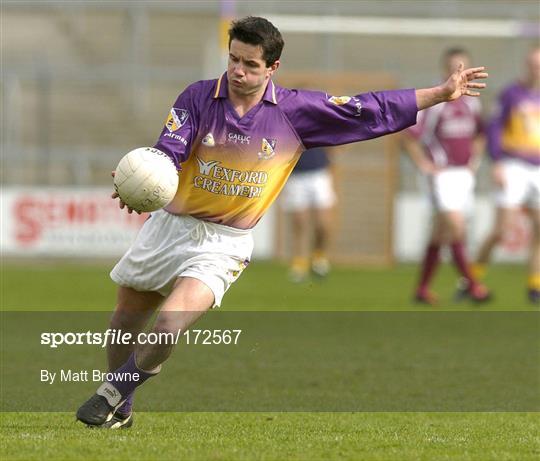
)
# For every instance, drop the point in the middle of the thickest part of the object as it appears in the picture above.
(247, 72)
(452, 63)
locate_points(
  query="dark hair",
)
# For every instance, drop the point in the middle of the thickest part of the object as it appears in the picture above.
(258, 31)
(454, 51)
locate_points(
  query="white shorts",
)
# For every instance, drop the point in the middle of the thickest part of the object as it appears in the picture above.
(170, 246)
(308, 189)
(522, 185)
(452, 189)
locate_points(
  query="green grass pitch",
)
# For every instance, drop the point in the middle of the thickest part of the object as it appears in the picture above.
(269, 436)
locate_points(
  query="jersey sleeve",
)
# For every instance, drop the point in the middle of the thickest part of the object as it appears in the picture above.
(323, 120)
(496, 126)
(180, 128)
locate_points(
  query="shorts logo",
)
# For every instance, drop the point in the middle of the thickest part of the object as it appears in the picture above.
(208, 140)
(339, 100)
(267, 148)
(176, 119)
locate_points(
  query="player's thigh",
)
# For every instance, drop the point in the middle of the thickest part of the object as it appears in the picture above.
(134, 300)
(437, 228)
(533, 196)
(324, 218)
(503, 219)
(534, 216)
(299, 219)
(187, 302)
(454, 223)
(134, 307)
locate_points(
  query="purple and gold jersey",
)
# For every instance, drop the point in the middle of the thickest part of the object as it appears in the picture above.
(232, 168)
(514, 131)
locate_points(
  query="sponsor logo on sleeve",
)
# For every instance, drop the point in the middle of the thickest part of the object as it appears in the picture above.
(268, 148)
(339, 100)
(176, 119)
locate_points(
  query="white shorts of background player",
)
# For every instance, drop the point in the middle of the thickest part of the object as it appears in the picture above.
(452, 189)
(522, 185)
(308, 189)
(170, 246)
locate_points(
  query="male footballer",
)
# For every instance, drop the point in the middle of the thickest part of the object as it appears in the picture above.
(309, 198)
(235, 140)
(446, 145)
(514, 147)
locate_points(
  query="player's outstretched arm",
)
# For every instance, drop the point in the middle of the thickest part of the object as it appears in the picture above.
(460, 83)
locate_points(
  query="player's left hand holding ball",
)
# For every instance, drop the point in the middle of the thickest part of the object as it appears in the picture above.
(145, 180)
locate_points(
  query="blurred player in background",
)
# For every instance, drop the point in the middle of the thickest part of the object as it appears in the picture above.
(309, 198)
(514, 147)
(236, 140)
(446, 145)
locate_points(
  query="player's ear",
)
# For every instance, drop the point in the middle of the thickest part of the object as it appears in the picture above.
(273, 68)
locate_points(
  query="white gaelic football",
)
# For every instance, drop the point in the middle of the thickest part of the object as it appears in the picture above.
(146, 179)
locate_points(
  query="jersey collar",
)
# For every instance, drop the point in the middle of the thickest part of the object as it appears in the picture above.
(222, 90)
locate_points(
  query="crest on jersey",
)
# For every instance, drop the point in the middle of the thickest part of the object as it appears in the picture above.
(176, 119)
(267, 148)
(339, 100)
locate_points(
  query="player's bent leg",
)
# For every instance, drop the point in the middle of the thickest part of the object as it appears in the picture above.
(320, 264)
(468, 286)
(503, 218)
(533, 285)
(429, 264)
(133, 310)
(187, 302)
(298, 270)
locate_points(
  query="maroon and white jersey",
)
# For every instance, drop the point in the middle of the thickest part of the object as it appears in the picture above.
(447, 131)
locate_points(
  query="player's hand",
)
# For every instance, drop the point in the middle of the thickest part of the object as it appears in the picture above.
(497, 175)
(461, 83)
(122, 205)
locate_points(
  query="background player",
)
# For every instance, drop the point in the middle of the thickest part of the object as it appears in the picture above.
(514, 147)
(309, 198)
(446, 145)
(236, 138)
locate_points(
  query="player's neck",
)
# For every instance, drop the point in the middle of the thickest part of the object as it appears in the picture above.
(244, 103)
(531, 83)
